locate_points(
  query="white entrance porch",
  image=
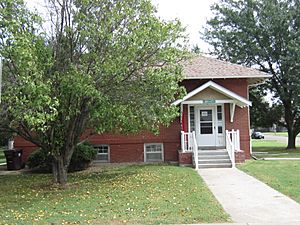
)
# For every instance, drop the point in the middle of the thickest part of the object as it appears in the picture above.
(203, 122)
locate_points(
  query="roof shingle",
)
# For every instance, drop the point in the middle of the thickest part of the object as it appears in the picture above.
(202, 67)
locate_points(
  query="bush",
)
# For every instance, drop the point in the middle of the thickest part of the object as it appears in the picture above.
(83, 155)
(40, 160)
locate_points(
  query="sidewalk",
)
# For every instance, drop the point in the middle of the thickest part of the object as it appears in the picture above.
(248, 200)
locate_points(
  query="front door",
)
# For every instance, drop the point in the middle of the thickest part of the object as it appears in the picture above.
(206, 132)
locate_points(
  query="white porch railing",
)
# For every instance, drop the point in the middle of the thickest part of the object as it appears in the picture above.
(189, 144)
(232, 144)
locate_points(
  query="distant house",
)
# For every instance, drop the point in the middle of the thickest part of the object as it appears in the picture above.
(212, 131)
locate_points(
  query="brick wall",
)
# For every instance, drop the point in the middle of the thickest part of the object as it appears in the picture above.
(130, 148)
(185, 158)
(240, 157)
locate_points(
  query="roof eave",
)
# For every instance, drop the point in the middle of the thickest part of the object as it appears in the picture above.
(242, 102)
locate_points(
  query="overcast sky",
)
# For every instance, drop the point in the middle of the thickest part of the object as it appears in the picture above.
(192, 13)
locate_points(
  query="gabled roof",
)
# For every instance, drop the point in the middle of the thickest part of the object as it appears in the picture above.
(201, 67)
(240, 101)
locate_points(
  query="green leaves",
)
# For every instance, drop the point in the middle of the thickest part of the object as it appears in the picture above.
(107, 65)
(264, 34)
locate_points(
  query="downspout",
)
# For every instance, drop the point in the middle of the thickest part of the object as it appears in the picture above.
(249, 128)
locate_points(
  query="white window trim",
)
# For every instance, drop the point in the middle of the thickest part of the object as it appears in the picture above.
(162, 151)
(108, 153)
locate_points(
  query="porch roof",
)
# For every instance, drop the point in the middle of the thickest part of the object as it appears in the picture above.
(236, 99)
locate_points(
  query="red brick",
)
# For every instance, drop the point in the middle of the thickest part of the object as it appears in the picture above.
(185, 158)
(130, 148)
(240, 157)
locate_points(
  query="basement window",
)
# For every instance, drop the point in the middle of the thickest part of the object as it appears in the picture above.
(153, 152)
(102, 153)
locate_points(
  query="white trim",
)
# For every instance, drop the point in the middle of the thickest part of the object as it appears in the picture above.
(189, 119)
(230, 77)
(240, 101)
(181, 111)
(108, 153)
(162, 151)
(232, 110)
(196, 102)
(249, 124)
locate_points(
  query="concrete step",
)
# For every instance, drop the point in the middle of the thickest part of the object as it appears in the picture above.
(214, 161)
(210, 147)
(213, 157)
(217, 158)
(218, 165)
(212, 152)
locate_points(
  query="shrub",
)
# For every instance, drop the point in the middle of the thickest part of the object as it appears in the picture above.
(83, 155)
(40, 160)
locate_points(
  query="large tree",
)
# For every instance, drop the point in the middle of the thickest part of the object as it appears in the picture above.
(262, 113)
(97, 66)
(264, 34)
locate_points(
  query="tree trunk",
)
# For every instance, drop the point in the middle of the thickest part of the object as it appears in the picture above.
(291, 140)
(290, 125)
(54, 171)
(59, 171)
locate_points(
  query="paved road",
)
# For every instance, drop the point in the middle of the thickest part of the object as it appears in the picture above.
(280, 138)
(248, 200)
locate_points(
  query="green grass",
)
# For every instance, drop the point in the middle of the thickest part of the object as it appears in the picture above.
(273, 149)
(283, 176)
(2, 156)
(140, 194)
(284, 134)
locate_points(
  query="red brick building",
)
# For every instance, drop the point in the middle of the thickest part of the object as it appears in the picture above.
(213, 129)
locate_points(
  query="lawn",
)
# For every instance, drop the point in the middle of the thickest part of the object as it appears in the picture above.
(266, 148)
(283, 176)
(140, 194)
(2, 156)
(284, 134)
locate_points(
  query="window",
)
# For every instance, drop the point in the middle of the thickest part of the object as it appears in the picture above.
(102, 153)
(153, 152)
(206, 121)
(220, 119)
(192, 118)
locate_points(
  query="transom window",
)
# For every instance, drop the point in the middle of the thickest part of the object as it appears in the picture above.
(102, 153)
(153, 152)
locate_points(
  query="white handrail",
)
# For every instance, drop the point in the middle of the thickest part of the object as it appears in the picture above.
(186, 142)
(232, 144)
(195, 147)
(189, 144)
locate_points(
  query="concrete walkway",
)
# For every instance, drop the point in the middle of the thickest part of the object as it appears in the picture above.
(249, 201)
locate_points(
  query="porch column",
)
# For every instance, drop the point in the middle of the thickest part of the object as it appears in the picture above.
(184, 117)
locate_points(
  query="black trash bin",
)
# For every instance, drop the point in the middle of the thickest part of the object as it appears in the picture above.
(13, 159)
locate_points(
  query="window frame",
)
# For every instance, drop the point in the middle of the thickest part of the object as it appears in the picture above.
(108, 153)
(162, 152)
